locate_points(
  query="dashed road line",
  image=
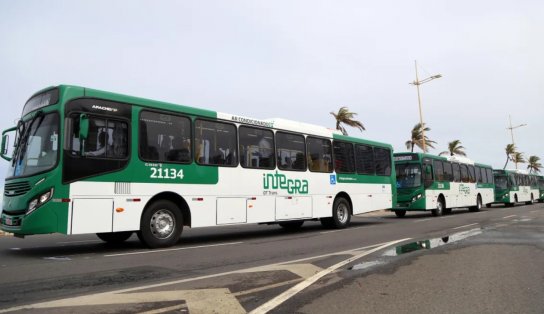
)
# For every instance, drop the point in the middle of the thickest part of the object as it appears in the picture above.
(341, 230)
(464, 226)
(420, 220)
(509, 216)
(176, 249)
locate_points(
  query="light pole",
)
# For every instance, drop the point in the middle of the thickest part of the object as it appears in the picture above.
(417, 82)
(511, 128)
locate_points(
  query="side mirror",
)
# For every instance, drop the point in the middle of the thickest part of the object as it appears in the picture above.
(5, 143)
(83, 126)
(4, 149)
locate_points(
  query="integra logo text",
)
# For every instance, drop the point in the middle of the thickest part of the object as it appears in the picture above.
(105, 108)
(280, 181)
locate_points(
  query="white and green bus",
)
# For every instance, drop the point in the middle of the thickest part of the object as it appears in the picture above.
(428, 182)
(515, 186)
(89, 161)
(540, 180)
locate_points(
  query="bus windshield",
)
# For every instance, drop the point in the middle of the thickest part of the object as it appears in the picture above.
(501, 182)
(408, 175)
(36, 147)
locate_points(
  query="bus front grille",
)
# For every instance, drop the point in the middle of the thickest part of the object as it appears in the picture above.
(16, 188)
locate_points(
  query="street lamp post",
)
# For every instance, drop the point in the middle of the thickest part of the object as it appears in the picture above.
(417, 82)
(511, 128)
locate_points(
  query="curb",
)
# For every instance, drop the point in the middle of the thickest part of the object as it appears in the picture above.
(5, 234)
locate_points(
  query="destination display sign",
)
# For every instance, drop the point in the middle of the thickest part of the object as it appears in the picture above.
(44, 99)
(410, 157)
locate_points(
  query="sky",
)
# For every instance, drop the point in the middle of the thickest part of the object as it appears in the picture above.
(297, 60)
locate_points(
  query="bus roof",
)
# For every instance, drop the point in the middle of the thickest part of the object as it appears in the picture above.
(275, 123)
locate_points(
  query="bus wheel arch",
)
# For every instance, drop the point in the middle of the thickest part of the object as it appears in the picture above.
(440, 206)
(478, 205)
(176, 199)
(342, 209)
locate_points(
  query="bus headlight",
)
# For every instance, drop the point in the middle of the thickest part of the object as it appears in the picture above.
(39, 201)
(415, 198)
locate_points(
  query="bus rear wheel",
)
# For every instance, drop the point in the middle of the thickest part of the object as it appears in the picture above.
(400, 213)
(478, 205)
(439, 210)
(114, 237)
(161, 224)
(341, 215)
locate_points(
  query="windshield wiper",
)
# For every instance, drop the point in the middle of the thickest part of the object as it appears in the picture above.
(25, 135)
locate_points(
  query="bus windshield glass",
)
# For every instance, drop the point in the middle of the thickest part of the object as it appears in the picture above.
(408, 175)
(37, 145)
(501, 182)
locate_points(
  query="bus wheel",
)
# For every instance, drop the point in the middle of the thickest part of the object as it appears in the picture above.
(400, 213)
(341, 213)
(161, 224)
(114, 237)
(439, 210)
(291, 225)
(478, 205)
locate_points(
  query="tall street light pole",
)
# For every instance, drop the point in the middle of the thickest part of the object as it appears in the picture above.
(511, 128)
(417, 82)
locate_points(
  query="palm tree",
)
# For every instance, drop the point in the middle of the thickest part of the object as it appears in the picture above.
(534, 164)
(454, 148)
(510, 150)
(417, 138)
(517, 158)
(344, 116)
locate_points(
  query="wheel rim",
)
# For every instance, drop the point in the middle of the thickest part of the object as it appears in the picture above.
(342, 213)
(479, 203)
(162, 224)
(439, 207)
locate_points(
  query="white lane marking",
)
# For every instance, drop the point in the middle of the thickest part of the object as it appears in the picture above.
(464, 226)
(176, 249)
(106, 295)
(275, 302)
(509, 216)
(420, 220)
(81, 241)
(347, 229)
(534, 211)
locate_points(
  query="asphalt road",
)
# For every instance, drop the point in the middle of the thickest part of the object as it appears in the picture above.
(483, 262)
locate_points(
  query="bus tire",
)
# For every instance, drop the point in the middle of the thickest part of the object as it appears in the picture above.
(439, 210)
(341, 213)
(161, 224)
(115, 237)
(478, 205)
(400, 213)
(291, 225)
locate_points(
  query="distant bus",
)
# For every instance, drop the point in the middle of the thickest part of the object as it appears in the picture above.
(540, 188)
(439, 184)
(515, 186)
(89, 161)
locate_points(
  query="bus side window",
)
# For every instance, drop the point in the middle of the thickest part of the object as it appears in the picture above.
(456, 173)
(427, 175)
(448, 171)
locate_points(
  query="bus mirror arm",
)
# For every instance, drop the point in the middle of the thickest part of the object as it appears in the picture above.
(5, 143)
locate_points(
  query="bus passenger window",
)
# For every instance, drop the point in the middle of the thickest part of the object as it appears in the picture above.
(382, 158)
(319, 155)
(215, 143)
(290, 151)
(165, 137)
(344, 159)
(256, 148)
(364, 159)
